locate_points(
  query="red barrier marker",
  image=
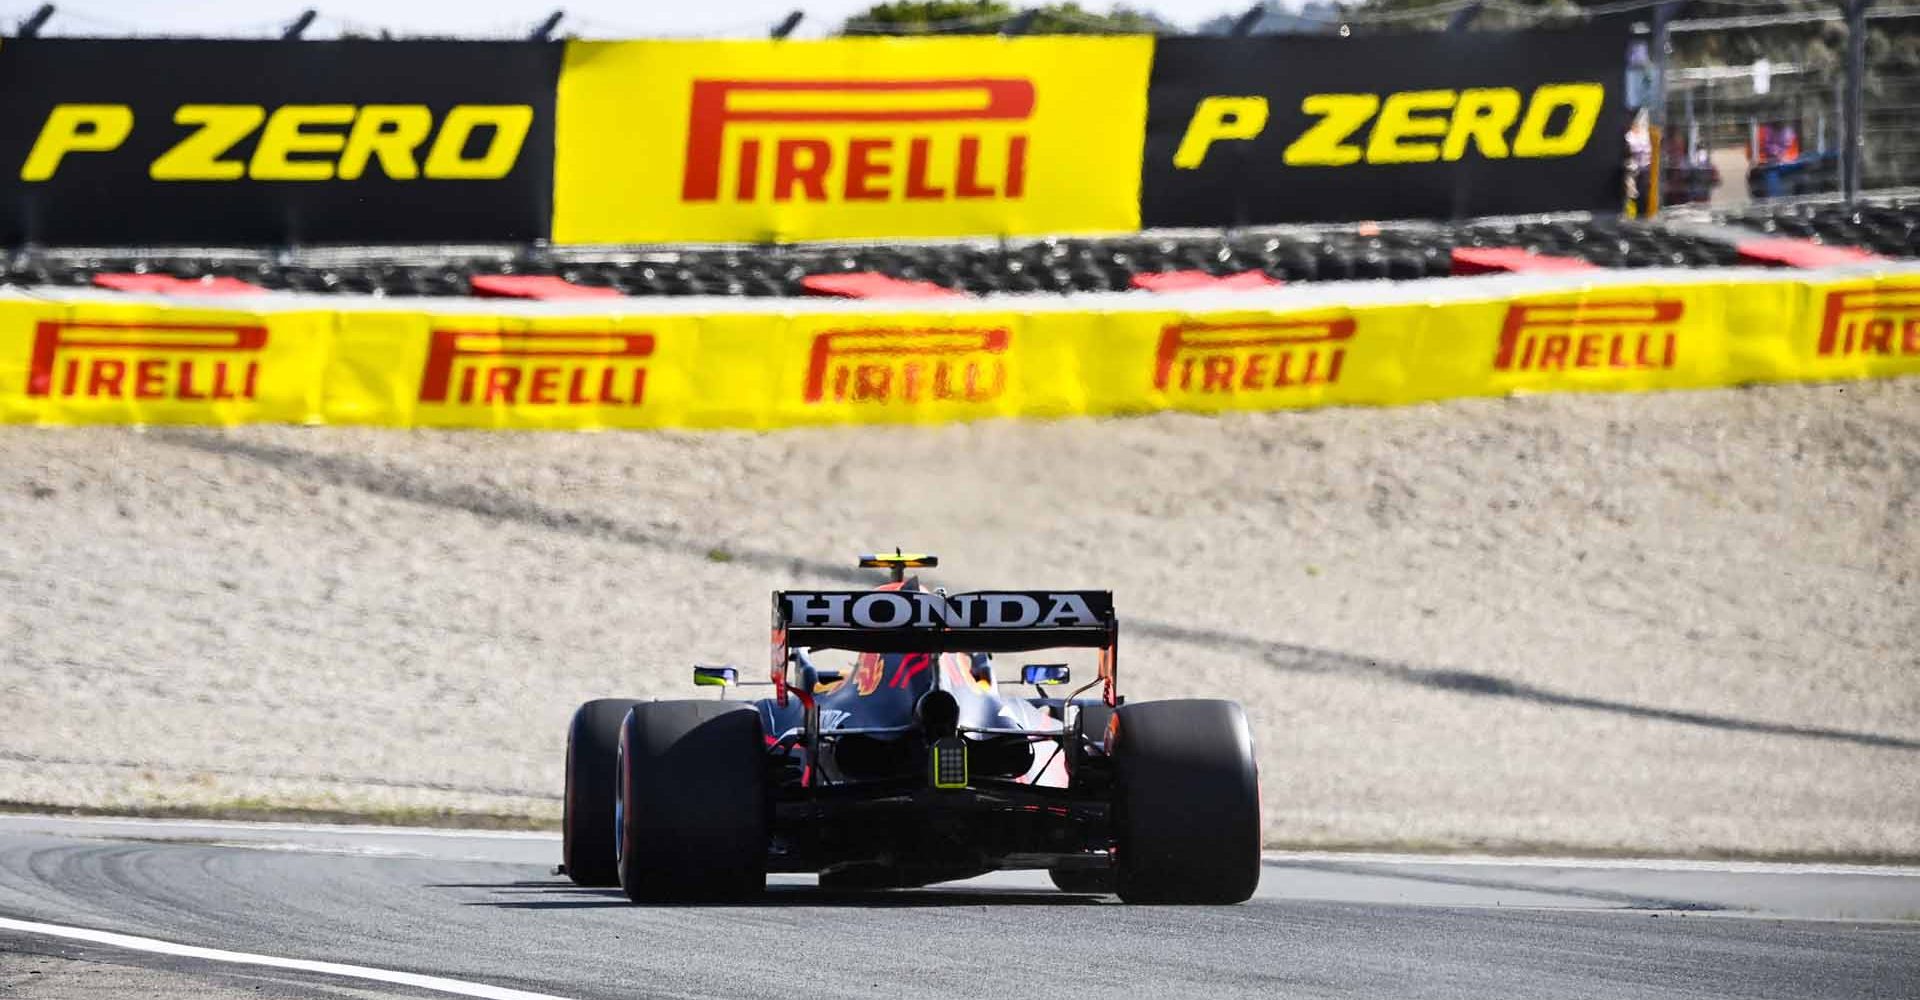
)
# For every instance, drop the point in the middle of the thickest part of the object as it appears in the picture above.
(1513, 260)
(1193, 281)
(535, 286)
(1780, 251)
(167, 284)
(867, 285)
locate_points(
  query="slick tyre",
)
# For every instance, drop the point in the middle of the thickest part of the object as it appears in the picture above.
(693, 809)
(593, 760)
(1186, 803)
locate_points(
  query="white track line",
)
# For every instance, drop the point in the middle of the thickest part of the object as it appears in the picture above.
(1605, 864)
(462, 833)
(455, 986)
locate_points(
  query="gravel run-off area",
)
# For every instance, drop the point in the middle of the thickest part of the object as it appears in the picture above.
(1676, 623)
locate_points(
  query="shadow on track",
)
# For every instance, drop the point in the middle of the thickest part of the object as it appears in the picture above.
(572, 897)
(353, 472)
(1623, 900)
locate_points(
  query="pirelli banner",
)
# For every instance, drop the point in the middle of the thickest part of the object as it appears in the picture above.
(223, 143)
(1306, 128)
(777, 141)
(131, 142)
(95, 361)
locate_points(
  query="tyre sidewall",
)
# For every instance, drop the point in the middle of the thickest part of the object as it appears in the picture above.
(587, 831)
(693, 812)
(1186, 805)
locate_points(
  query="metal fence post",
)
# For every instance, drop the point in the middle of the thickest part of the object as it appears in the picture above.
(1840, 114)
(1853, 122)
(1693, 125)
(1657, 101)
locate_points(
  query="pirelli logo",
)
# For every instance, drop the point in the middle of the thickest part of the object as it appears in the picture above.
(538, 368)
(184, 362)
(1881, 321)
(902, 365)
(1209, 358)
(1582, 336)
(857, 140)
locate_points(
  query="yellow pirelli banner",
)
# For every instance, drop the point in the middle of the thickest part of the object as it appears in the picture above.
(799, 364)
(855, 138)
(64, 363)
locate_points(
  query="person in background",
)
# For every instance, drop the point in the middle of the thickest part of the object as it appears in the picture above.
(1773, 144)
(1705, 176)
(1640, 166)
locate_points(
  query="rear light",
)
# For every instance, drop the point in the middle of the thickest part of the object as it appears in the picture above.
(949, 765)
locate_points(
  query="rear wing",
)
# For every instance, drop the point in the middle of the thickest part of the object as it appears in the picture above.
(918, 621)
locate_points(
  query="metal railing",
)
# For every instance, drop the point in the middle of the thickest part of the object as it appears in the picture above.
(1839, 114)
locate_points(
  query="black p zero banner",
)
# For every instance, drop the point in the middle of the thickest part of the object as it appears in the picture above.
(1313, 128)
(240, 142)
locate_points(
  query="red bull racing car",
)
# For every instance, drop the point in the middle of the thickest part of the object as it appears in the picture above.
(917, 761)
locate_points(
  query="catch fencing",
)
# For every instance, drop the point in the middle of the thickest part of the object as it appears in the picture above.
(1788, 99)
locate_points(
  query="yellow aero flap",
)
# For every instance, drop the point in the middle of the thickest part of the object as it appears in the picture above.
(98, 362)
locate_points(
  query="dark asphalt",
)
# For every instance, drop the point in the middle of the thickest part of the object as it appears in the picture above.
(483, 909)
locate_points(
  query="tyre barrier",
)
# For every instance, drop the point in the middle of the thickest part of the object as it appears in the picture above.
(95, 357)
(1890, 229)
(1067, 266)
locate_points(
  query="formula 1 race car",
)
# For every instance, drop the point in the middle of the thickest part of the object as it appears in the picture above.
(912, 767)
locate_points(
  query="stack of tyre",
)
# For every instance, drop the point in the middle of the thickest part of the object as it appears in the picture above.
(1891, 230)
(1059, 266)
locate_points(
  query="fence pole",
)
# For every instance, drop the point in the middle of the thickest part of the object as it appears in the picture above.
(1854, 140)
(1840, 116)
(1693, 128)
(1657, 101)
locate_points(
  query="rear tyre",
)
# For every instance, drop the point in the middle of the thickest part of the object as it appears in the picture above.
(593, 760)
(1186, 803)
(693, 810)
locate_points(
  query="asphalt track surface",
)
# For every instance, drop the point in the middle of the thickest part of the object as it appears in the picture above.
(481, 913)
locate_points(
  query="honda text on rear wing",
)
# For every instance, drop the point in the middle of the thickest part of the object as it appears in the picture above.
(919, 621)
